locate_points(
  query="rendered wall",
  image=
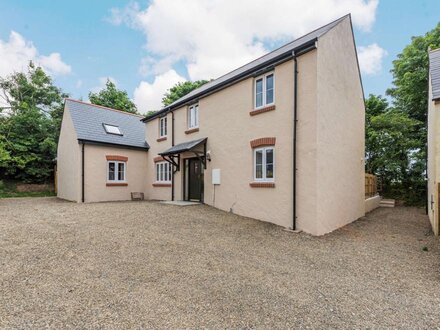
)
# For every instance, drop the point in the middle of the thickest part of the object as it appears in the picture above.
(95, 169)
(340, 131)
(433, 161)
(68, 161)
(224, 118)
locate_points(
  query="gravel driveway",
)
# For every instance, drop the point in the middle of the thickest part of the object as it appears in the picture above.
(149, 265)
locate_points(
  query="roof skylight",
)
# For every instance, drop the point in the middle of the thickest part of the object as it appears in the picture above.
(111, 129)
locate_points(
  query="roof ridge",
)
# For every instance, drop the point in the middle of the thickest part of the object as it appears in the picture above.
(214, 82)
(103, 107)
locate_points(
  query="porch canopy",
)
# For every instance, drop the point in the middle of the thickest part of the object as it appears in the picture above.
(198, 147)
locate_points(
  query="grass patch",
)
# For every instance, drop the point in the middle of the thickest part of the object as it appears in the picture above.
(12, 194)
(8, 189)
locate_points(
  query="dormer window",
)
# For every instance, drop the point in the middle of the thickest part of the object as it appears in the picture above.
(111, 129)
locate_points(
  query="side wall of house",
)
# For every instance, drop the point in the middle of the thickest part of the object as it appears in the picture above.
(95, 170)
(340, 131)
(68, 161)
(433, 161)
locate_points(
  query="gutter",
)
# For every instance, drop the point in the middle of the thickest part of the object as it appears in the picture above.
(295, 124)
(172, 145)
(82, 173)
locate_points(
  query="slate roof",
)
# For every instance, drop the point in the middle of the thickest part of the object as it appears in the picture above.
(88, 120)
(253, 66)
(434, 69)
(182, 147)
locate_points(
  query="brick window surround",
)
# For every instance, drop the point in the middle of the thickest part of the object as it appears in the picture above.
(117, 158)
(265, 141)
(117, 184)
(192, 130)
(158, 159)
(262, 184)
(262, 110)
(161, 139)
(160, 184)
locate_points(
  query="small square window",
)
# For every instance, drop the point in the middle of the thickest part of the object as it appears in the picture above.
(111, 129)
(193, 116)
(163, 172)
(163, 127)
(264, 164)
(116, 171)
(264, 90)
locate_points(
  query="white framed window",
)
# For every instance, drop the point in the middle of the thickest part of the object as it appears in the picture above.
(264, 164)
(193, 116)
(163, 126)
(163, 172)
(264, 90)
(112, 129)
(116, 171)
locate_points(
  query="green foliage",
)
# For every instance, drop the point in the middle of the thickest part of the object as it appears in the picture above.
(181, 89)
(392, 150)
(29, 128)
(410, 97)
(410, 75)
(114, 98)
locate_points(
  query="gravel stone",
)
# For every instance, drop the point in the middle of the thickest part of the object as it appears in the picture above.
(133, 265)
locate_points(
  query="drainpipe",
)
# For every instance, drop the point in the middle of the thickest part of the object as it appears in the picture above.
(172, 144)
(295, 121)
(82, 173)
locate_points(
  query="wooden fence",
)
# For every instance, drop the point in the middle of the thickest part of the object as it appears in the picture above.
(370, 185)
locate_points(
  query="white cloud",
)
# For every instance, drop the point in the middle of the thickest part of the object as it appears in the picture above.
(370, 59)
(16, 53)
(148, 96)
(79, 83)
(213, 37)
(102, 82)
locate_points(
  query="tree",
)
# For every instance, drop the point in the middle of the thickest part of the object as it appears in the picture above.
(410, 96)
(410, 76)
(181, 89)
(114, 98)
(29, 127)
(391, 150)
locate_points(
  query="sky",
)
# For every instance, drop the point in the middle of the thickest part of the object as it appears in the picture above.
(146, 47)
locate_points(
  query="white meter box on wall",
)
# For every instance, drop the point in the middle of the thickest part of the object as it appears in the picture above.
(216, 176)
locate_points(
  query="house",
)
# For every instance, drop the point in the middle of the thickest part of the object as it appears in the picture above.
(434, 140)
(280, 139)
(102, 154)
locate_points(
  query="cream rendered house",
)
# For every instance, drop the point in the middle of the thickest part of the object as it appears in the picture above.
(434, 140)
(280, 139)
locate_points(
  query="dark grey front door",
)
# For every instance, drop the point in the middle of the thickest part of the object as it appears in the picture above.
(195, 179)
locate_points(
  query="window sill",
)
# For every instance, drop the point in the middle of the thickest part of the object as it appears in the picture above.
(262, 184)
(163, 138)
(116, 184)
(192, 130)
(161, 184)
(262, 110)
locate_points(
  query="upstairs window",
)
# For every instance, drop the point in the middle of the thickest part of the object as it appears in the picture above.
(264, 90)
(163, 172)
(116, 171)
(193, 116)
(264, 162)
(112, 129)
(163, 127)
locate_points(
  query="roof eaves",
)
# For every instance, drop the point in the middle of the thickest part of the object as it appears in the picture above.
(126, 146)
